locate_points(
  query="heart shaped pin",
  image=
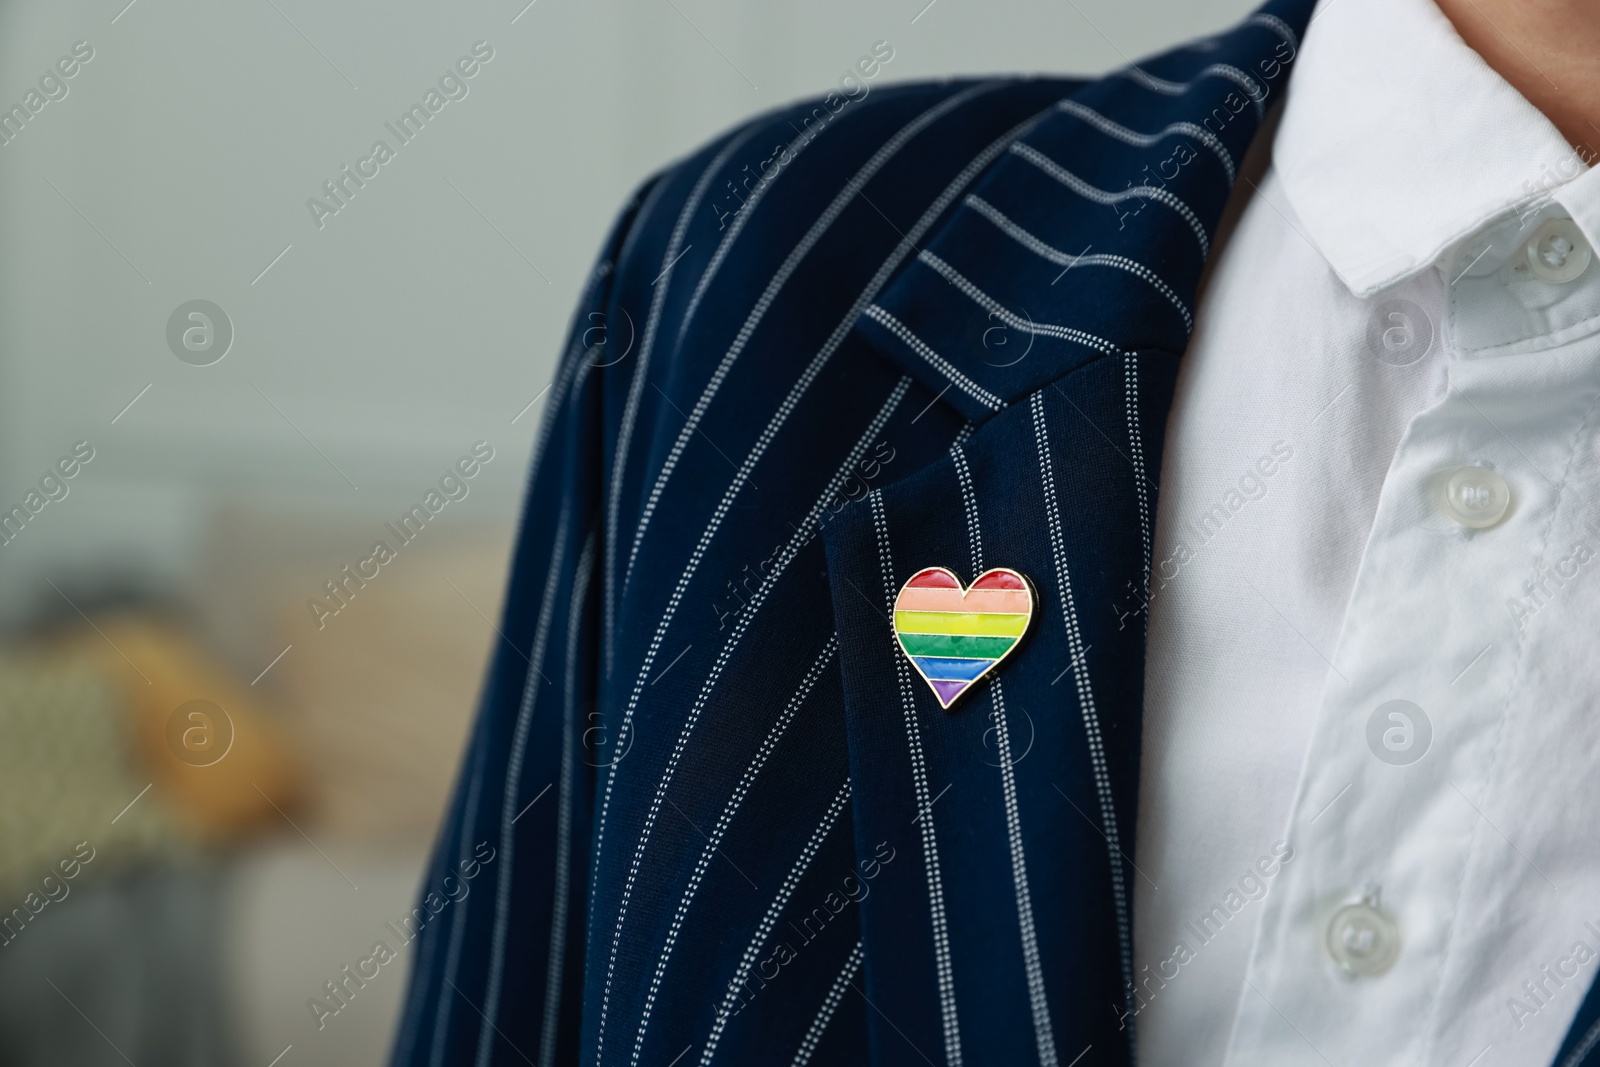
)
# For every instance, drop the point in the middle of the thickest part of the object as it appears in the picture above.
(954, 635)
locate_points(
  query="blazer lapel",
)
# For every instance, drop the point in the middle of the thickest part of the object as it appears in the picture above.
(1050, 308)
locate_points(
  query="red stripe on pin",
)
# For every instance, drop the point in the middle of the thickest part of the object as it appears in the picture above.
(933, 578)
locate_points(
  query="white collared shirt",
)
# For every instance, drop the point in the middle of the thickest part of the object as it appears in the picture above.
(1372, 326)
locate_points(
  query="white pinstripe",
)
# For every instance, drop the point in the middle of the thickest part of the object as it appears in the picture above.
(1005, 315)
(1277, 26)
(908, 241)
(441, 1011)
(1038, 1003)
(1080, 673)
(1144, 140)
(1130, 378)
(943, 970)
(830, 1004)
(1251, 87)
(718, 832)
(575, 369)
(1581, 1051)
(770, 919)
(574, 361)
(513, 791)
(934, 359)
(802, 536)
(791, 262)
(1101, 196)
(742, 216)
(1218, 70)
(563, 864)
(1067, 259)
(414, 1010)
(630, 410)
(569, 371)
(969, 503)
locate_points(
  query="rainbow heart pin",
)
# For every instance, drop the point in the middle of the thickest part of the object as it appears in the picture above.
(954, 636)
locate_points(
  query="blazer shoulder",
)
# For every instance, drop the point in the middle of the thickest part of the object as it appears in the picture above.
(835, 134)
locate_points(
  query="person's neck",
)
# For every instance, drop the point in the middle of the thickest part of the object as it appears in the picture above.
(1546, 49)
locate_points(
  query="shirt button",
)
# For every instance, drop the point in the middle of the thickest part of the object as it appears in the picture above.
(1476, 497)
(1557, 251)
(1363, 940)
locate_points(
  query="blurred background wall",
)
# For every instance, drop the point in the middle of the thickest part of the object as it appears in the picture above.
(370, 349)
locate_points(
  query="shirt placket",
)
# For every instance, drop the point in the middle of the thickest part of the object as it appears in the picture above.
(1395, 822)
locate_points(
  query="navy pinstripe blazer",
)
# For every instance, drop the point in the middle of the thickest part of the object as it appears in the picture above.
(725, 821)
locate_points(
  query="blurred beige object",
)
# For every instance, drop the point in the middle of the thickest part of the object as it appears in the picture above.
(211, 745)
(381, 696)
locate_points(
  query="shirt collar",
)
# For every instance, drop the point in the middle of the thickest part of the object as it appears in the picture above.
(1398, 141)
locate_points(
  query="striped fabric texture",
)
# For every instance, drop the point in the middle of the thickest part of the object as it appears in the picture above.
(730, 822)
